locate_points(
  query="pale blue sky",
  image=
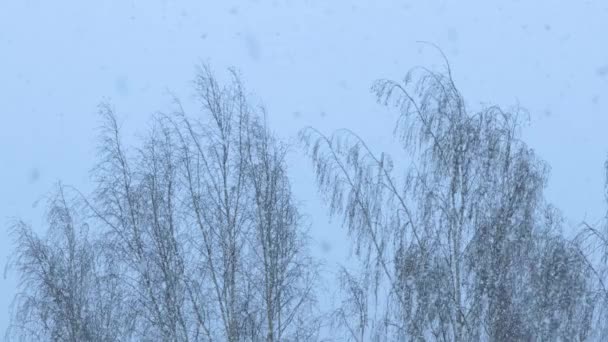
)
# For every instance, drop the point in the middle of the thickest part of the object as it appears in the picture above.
(311, 63)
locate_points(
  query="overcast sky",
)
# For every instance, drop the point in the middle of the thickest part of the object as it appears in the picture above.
(311, 63)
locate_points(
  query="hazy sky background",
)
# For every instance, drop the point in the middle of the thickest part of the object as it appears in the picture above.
(310, 63)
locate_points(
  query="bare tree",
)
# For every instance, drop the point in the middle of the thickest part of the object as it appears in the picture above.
(248, 230)
(281, 259)
(136, 200)
(69, 290)
(212, 153)
(198, 237)
(592, 245)
(452, 242)
(353, 313)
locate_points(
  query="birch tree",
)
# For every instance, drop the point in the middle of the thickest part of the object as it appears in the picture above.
(282, 263)
(68, 287)
(136, 201)
(248, 231)
(592, 244)
(198, 236)
(452, 240)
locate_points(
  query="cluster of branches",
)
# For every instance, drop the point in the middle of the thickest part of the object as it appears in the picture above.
(192, 236)
(455, 239)
(195, 235)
